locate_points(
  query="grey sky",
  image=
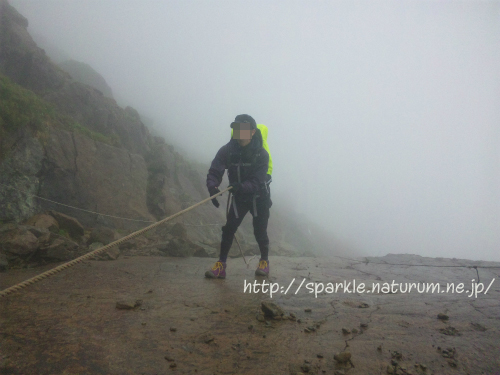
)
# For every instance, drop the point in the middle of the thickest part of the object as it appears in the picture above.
(383, 116)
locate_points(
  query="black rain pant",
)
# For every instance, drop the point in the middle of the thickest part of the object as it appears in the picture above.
(259, 225)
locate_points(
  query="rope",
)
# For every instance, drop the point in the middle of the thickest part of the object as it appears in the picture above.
(76, 208)
(71, 263)
(201, 225)
(98, 213)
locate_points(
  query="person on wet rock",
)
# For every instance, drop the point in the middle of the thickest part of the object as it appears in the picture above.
(249, 172)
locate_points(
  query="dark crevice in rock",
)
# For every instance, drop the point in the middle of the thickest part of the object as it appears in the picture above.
(360, 332)
(471, 303)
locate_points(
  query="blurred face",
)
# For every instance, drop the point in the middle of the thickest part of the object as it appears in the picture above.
(243, 133)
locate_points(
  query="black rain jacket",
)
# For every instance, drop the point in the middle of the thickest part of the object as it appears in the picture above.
(247, 165)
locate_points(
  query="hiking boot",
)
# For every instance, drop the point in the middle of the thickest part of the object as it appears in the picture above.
(218, 271)
(263, 269)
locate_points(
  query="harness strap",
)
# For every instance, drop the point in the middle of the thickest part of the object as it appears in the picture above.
(267, 183)
(233, 202)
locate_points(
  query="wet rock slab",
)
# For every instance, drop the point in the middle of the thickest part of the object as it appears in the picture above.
(186, 324)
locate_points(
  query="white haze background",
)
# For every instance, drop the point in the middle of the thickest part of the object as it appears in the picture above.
(383, 115)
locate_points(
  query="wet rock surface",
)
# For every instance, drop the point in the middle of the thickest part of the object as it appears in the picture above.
(68, 223)
(43, 221)
(60, 249)
(187, 324)
(19, 241)
(103, 235)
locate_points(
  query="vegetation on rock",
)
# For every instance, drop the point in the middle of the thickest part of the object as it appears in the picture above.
(20, 108)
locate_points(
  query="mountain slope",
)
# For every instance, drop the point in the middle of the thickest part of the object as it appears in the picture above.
(84, 150)
(85, 74)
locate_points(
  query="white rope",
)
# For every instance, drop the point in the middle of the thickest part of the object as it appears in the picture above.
(98, 213)
(76, 208)
(71, 263)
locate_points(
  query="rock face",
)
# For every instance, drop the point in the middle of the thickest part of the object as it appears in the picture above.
(101, 158)
(68, 167)
(77, 171)
(85, 74)
(95, 176)
(19, 179)
(26, 64)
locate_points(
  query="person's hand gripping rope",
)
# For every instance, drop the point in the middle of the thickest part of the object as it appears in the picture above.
(214, 191)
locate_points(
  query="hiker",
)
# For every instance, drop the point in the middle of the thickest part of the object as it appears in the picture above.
(247, 164)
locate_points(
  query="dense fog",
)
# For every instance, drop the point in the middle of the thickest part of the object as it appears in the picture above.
(383, 116)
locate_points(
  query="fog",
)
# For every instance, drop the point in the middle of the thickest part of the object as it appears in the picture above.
(383, 116)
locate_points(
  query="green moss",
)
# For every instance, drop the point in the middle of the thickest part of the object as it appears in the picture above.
(63, 233)
(20, 108)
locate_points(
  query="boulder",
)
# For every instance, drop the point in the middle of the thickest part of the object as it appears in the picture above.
(43, 235)
(103, 235)
(43, 221)
(69, 224)
(18, 241)
(178, 247)
(59, 250)
(110, 254)
(205, 251)
(179, 230)
(95, 246)
(134, 243)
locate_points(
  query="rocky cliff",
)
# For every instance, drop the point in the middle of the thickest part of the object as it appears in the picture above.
(27, 65)
(64, 141)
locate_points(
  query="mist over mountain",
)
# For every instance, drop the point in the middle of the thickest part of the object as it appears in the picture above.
(56, 54)
(383, 127)
(66, 142)
(383, 118)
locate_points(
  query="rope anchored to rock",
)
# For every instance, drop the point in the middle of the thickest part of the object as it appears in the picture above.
(95, 252)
